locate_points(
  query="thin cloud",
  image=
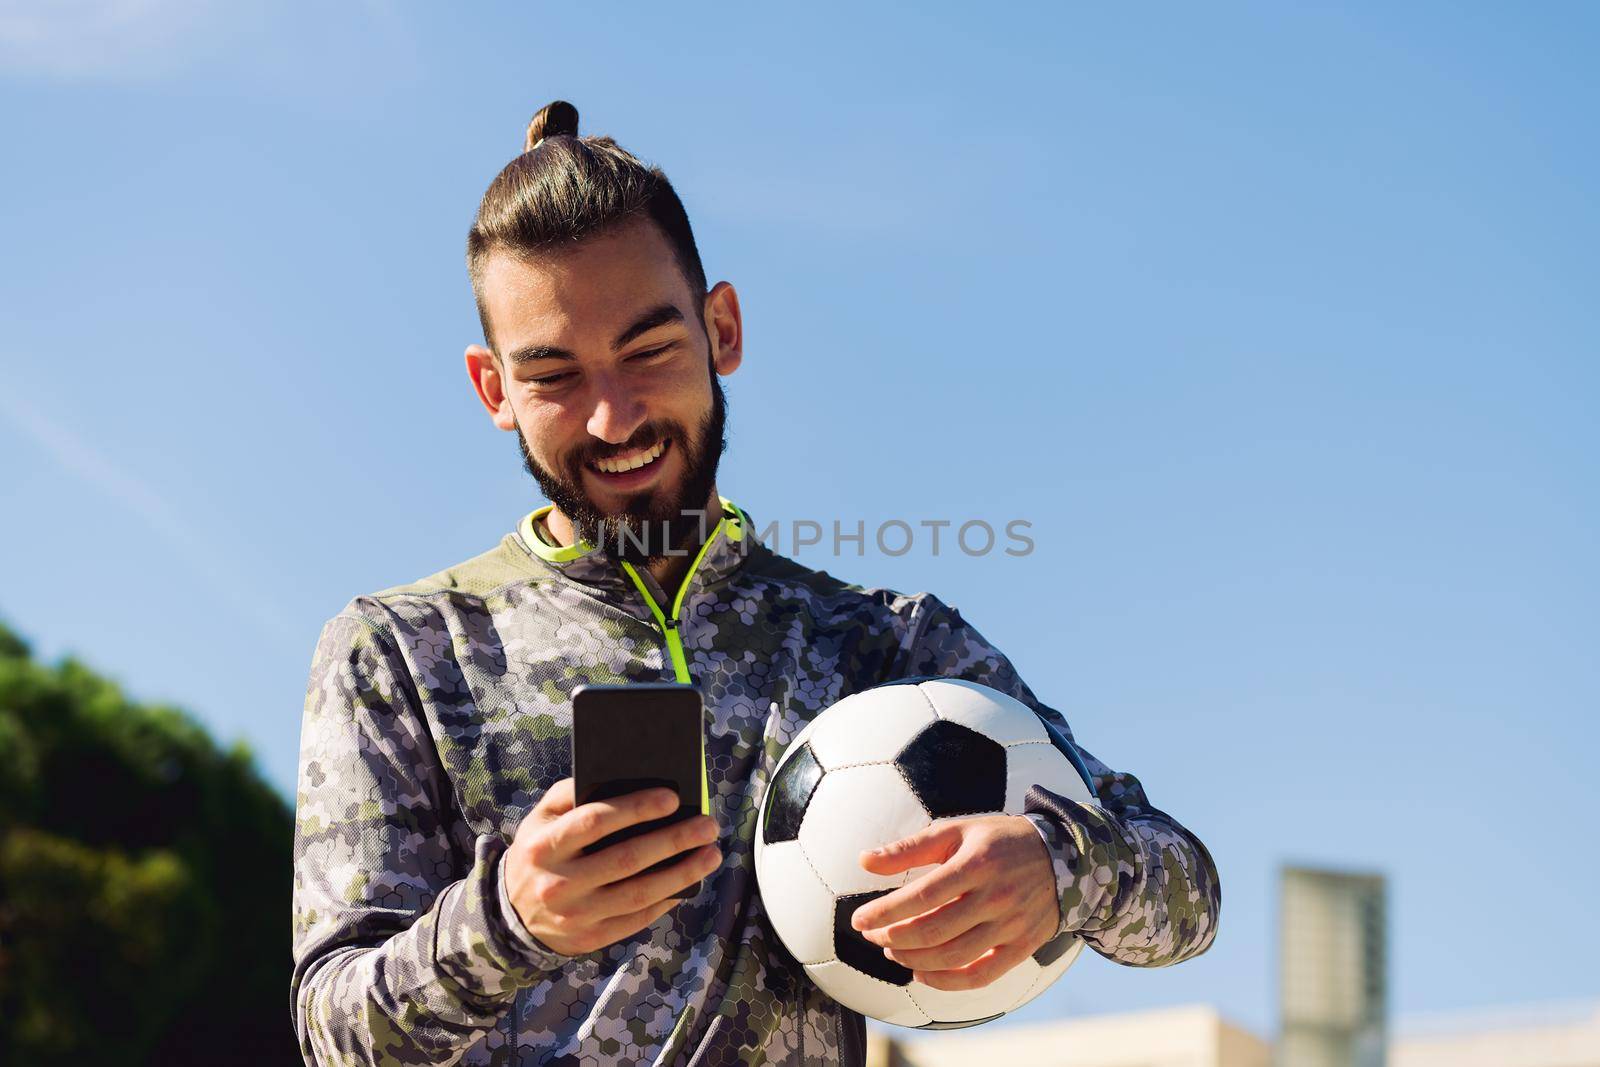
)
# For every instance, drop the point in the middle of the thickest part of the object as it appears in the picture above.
(77, 456)
(262, 42)
(75, 40)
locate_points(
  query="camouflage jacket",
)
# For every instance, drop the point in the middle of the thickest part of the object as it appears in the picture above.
(436, 715)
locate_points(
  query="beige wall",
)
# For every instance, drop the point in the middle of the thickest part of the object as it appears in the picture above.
(1199, 1037)
(1484, 1042)
(1174, 1037)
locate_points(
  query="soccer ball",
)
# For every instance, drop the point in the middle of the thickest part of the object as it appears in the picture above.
(878, 766)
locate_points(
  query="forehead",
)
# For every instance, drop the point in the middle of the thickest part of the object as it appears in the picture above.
(582, 296)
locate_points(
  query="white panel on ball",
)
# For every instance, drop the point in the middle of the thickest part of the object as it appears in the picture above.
(1044, 976)
(1065, 960)
(988, 711)
(854, 809)
(869, 731)
(963, 1005)
(792, 892)
(868, 995)
(1041, 764)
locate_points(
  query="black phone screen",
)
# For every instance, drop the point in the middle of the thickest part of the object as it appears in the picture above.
(639, 736)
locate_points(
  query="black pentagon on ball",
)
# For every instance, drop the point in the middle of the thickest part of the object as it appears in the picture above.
(853, 949)
(789, 794)
(954, 770)
(1051, 950)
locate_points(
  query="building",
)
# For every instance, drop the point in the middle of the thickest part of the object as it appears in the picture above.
(1333, 969)
(1546, 1035)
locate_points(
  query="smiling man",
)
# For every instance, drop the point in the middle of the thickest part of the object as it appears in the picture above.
(444, 909)
(625, 447)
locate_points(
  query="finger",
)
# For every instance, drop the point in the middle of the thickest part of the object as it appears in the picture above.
(957, 952)
(977, 974)
(942, 924)
(556, 801)
(627, 858)
(935, 844)
(610, 931)
(644, 891)
(588, 823)
(943, 883)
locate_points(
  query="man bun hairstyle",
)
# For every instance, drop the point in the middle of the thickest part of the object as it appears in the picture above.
(564, 188)
(556, 119)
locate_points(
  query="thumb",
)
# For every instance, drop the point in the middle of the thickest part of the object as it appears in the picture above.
(930, 845)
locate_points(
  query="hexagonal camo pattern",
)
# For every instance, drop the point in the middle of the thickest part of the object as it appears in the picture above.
(437, 714)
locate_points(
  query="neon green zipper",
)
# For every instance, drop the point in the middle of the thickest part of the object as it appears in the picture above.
(733, 531)
(669, 630)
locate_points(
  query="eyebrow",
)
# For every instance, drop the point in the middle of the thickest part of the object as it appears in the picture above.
(657, 316)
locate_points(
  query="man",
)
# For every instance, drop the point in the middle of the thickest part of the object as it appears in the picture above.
(444, 911)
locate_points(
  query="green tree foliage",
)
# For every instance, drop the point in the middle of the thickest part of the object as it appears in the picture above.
(144, 881)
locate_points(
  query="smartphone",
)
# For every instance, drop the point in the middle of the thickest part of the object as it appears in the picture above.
(640, 736)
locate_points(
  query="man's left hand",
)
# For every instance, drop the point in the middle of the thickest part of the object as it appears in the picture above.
(988, 904)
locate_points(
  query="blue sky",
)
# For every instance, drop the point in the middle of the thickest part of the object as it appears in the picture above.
(1277, 324)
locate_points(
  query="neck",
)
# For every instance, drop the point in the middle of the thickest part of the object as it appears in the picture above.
(668, 571)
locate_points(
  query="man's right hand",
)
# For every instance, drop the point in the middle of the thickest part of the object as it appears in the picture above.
(575, 903)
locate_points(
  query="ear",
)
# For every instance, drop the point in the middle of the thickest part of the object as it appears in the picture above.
(484, 369)
(724, 328)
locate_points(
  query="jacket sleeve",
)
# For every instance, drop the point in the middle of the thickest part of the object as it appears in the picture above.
(405, 951)
(1138, 886)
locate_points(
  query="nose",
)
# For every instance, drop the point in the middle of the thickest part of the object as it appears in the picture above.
(617, 412)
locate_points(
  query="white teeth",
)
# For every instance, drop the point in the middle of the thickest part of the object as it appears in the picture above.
(619, 464)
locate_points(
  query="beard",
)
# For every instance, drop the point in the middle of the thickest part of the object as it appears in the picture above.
(657, 522)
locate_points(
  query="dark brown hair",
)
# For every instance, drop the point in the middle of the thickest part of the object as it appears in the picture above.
(564, 188)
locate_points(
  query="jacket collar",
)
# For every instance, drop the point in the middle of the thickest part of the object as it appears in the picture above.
(722, 553)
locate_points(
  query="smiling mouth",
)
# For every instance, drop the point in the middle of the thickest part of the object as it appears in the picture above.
(630, 461)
